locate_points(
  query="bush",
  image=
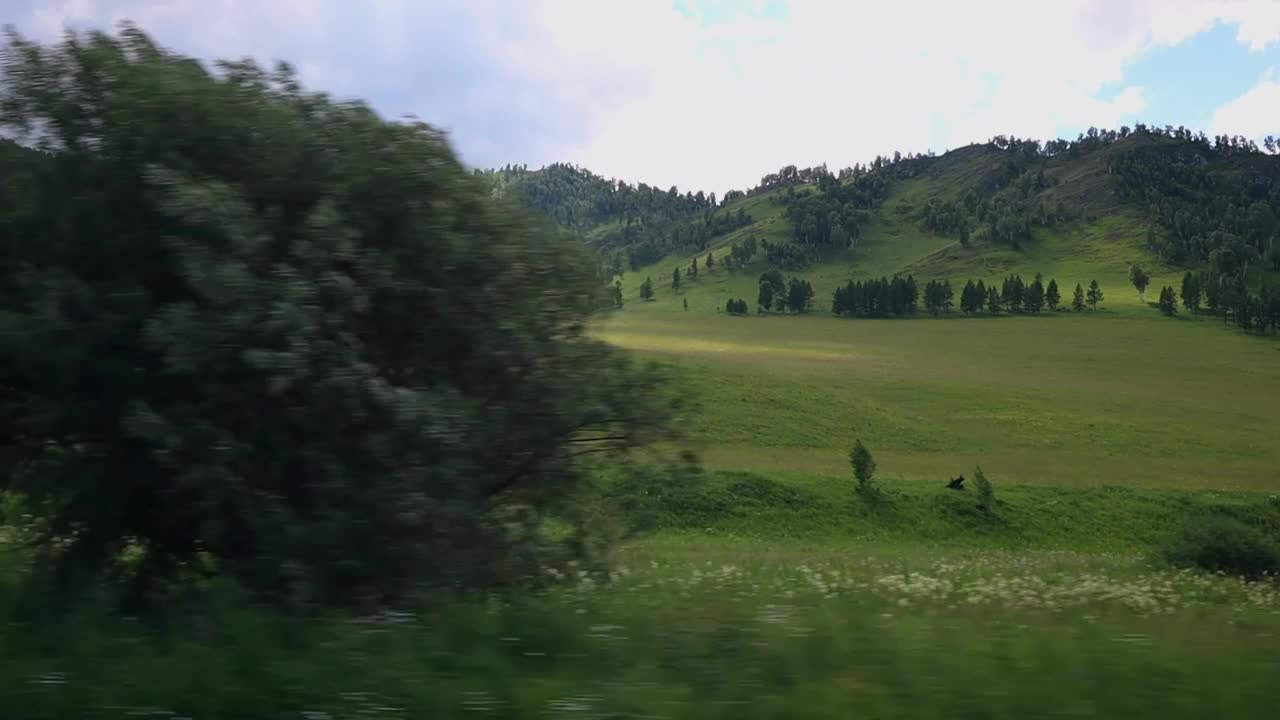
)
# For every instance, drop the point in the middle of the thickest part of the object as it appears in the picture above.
(1226, 545)
(864, 468)
(261, 331)
(986, 493)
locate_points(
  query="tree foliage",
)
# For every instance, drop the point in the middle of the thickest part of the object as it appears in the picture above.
(986, 492)
(864, 469)
(1094, 295)
(248, 325)
(1168, 301)
(1140, 280)
(876, 298)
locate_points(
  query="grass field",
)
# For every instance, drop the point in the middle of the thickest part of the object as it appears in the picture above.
(1120, 396)
(702, 629)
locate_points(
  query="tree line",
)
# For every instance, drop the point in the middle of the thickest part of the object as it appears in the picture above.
(1254, 312)
(899, 296)
(876, 298)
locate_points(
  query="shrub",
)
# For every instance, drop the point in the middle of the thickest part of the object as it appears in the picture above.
(864, 468)
(986, 493)
(1226, 545)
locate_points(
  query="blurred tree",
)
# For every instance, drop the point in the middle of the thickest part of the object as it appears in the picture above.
(246, 323)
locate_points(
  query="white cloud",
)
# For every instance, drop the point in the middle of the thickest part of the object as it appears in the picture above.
(635, 89)
(1254, 114)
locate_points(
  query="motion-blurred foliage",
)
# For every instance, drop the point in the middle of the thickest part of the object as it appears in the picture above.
(251, 330)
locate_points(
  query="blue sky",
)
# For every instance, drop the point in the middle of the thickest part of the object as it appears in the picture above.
(712, 94)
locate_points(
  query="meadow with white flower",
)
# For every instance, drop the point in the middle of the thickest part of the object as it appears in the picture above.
(698, 625)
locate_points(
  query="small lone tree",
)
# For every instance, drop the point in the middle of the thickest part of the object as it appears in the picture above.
(1095, 294)
(1140, 280)
(617, 293)
(646, 289)
(675, 279)
(864, 468)
(711, 261)
(986, 494)
(686, 303)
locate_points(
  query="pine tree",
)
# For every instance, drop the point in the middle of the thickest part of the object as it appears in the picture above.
(946, 297)
(711, 261)
(1077, 299)
(967, 297)
(646, 289)
(675, 279)
(1033, 297)
(1168, 301)
(617, 293)
(1052, 297)
(979, 297)
(686, 303)
(764, 300)
(693, 269)
(993, 300)
(1095, 294)
(1191, 292)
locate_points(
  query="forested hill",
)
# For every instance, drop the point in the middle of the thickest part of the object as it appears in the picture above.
(1200, 200)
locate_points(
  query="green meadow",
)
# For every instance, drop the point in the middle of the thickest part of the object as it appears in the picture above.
(1117, 396)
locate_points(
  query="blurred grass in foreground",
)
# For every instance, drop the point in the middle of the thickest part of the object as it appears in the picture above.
(747, 630)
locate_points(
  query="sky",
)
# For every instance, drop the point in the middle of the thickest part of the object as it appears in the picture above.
(713, 94)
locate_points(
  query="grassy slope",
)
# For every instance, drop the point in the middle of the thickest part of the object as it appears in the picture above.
(1122, 396)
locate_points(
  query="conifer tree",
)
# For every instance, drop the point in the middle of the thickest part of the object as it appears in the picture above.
(1052, 297)
(1095, 294)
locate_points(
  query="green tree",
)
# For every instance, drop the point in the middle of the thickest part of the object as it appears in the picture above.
(773, 290)
(1140, 280)
(693, 268)
(617, 293)
(993, 300)
(1052, 297)
(1033, 297)
(799, 295)
(1191, 292)
(686, 303)
(276, 331)
(675, 279)
(1095, 294)
(646, 289)
(711, 261)
(986, 493)
(967, 302)
(1168, 301)
(1077, 299)
(864, 469)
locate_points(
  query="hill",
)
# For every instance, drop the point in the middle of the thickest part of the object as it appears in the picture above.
(1116, 396)
(1161, 197)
